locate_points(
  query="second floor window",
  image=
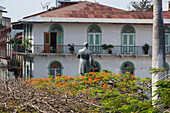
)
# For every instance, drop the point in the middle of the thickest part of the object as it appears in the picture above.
(167, 39)
(128, 39)
(94, 38)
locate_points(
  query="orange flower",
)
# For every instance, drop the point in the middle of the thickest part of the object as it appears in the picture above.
(122, 83)
(90, 78)
(104, 73)
(85, 82)
(70, 78)
(131, 75)
(90, 81)
(104, 86)
(59, 85)
(120, 74)
(64, 76)
(95, 101)
(55, 72)
(75, 82)
(91, 73)
(125, 80)
(123, 88)
(44, 79)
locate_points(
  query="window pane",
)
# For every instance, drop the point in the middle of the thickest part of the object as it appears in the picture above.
(91, 39)
(52, 72)
(59, 39)
(46, 38)
(124, 39)
(58, 70)
(97, 39)
(130, 39)
(166, 40)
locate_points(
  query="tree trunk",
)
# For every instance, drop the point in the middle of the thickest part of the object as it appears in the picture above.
(158, 42)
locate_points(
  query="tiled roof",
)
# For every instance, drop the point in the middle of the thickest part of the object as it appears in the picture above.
(92, 10)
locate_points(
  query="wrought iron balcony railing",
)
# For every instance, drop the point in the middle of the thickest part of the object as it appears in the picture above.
(65, 49)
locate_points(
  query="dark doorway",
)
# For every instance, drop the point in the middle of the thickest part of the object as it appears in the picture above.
(53, 43)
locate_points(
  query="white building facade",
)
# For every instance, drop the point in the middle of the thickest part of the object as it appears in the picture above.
(50, 52)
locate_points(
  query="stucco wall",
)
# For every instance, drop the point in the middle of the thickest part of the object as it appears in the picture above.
(112, 63)
(77, 33)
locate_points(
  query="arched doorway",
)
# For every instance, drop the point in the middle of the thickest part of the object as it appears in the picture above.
(97, 68)
(53, 40)
(55, 68)
(127, 67)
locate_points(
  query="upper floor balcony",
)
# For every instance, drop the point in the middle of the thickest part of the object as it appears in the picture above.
(73, 49)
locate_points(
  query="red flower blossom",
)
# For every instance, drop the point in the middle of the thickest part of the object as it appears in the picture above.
(92, 73)
(104, 86)
(125, 80)
(75, 82)
(123, 88)
(120, 73)
(122, 83)
(44, 79)
(64, 76)
(90, 81)
(85, 82)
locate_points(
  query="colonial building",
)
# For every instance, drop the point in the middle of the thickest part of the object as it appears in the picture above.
(5, 52)
(56, 36)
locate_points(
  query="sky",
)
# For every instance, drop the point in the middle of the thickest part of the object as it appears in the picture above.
(17, 9)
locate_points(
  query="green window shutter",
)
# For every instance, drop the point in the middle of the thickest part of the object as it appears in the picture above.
(27, 71)
(124, 39)
(91, 39)
(166, 40)
(27, 30)
(130, 39)
(59, 38)
(24, 30)
(31, 30)
(97, 39)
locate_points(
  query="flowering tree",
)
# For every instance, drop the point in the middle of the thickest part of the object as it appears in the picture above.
(93, 92)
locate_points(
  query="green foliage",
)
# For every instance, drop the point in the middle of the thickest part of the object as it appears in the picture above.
(142, 5)
(155, 71)
(104, 92)
(105, 46)
(1, 26)
(163, 92)
(27, 43)
(15, 43)
(71, 47)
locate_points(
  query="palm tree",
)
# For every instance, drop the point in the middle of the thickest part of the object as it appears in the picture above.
(158, 43)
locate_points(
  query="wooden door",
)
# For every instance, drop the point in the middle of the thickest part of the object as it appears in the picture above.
(47, 42)
(59, 42)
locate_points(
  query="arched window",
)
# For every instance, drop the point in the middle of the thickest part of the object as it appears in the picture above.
(55, 68)
(97, 68)
(167, 39)
(53, 40)
(127, 67)
(128, 39)
(56, 28)
(167, 69)
(94, 38)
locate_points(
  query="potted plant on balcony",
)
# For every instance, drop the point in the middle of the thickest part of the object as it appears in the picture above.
(27, 44)
(145, 48)
(108, 47)
(71, 48)
(16, 43)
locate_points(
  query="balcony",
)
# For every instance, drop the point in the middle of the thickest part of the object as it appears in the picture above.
(65, 50)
